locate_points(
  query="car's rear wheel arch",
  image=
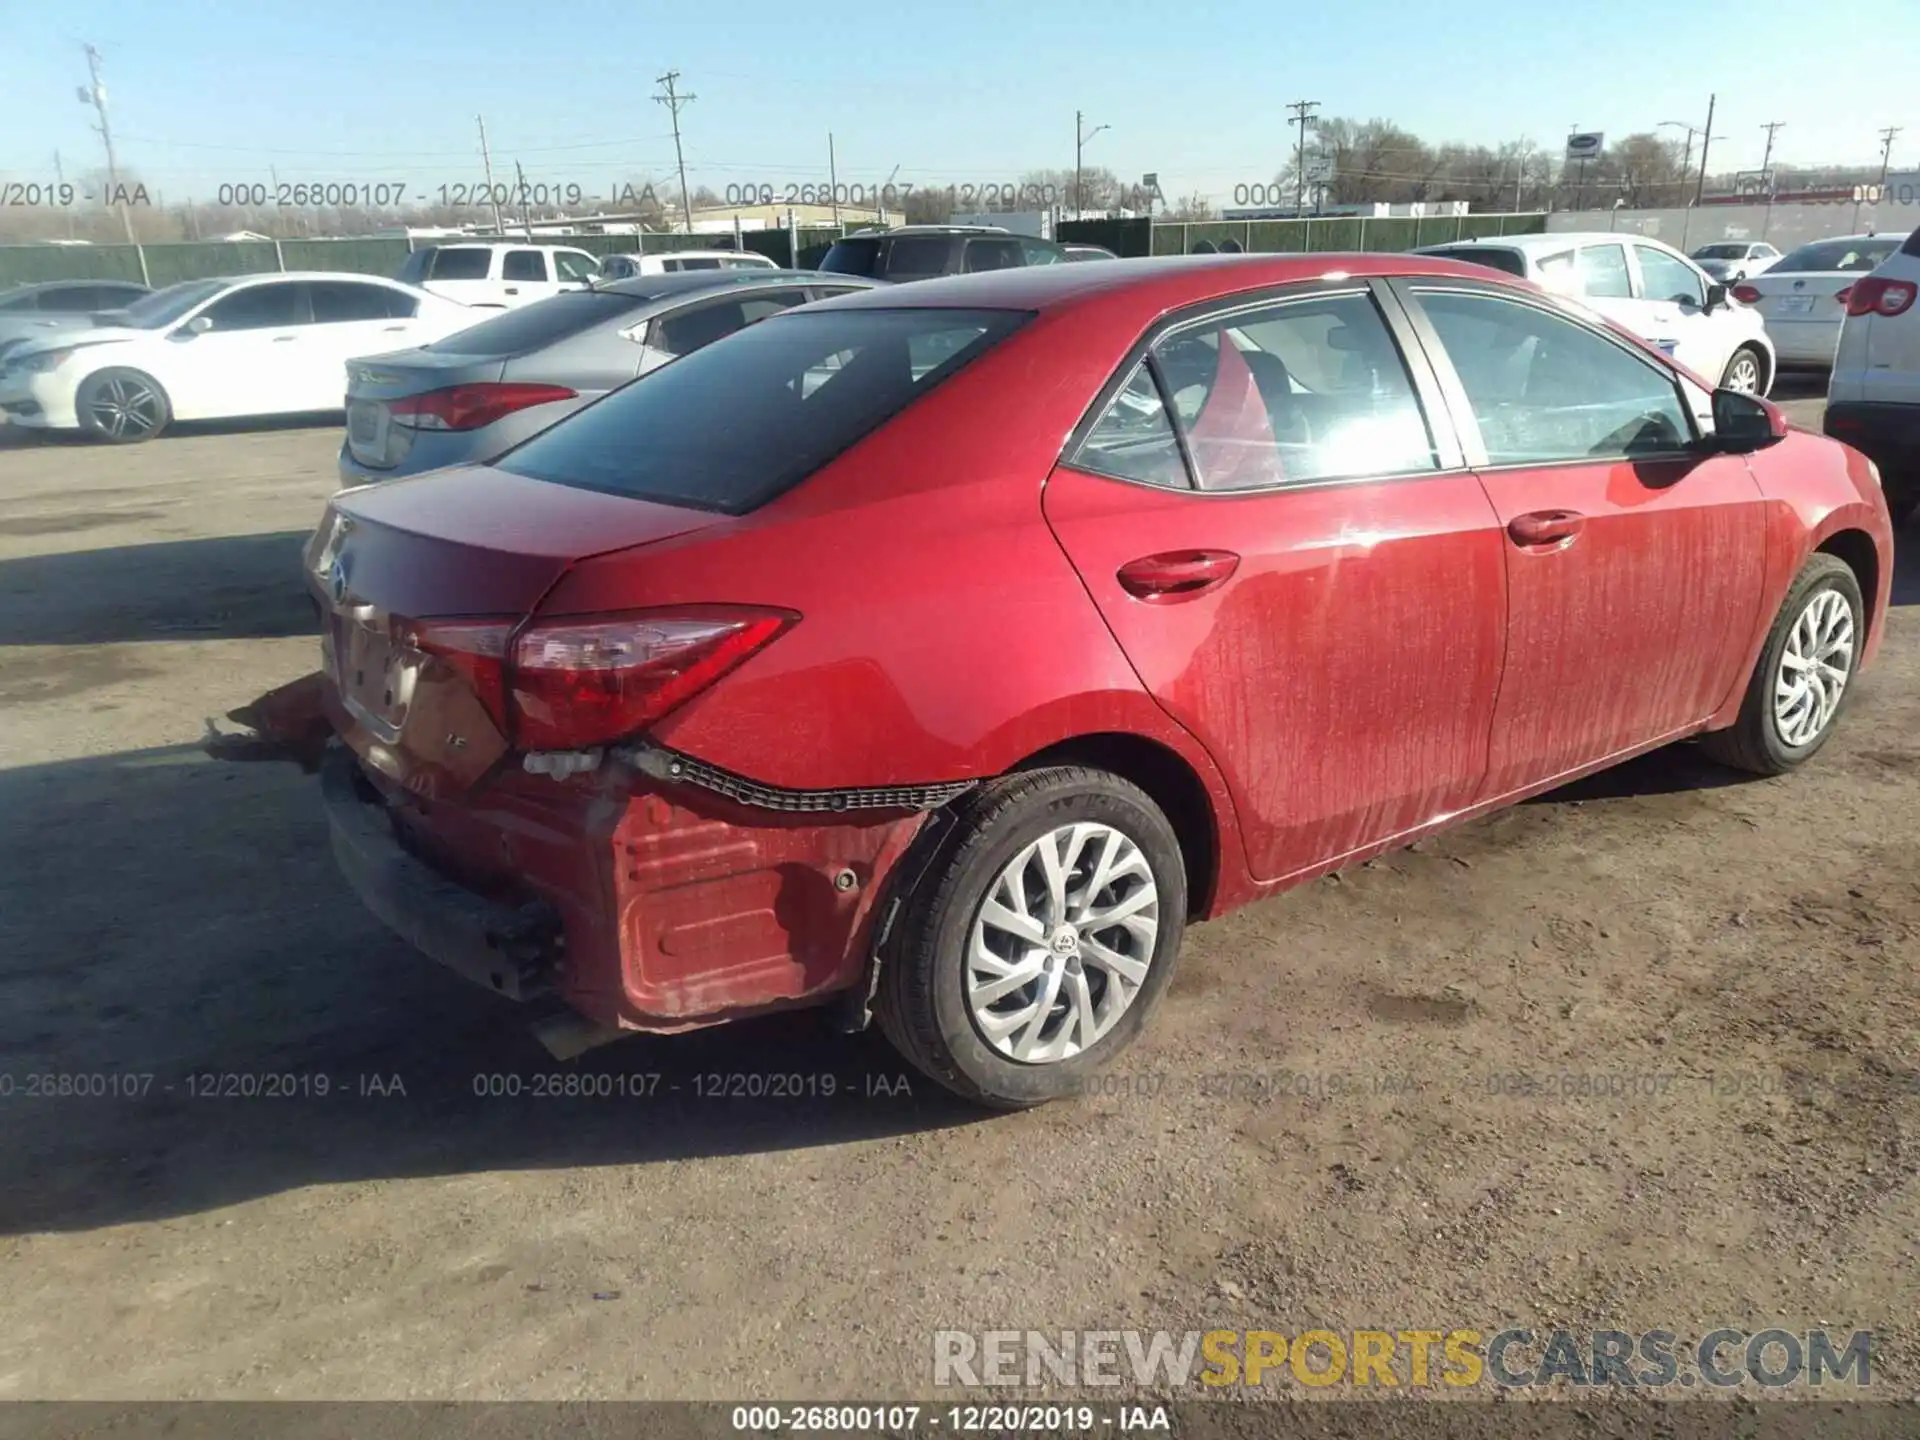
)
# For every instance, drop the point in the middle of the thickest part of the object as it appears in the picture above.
(1169, 781)
(1855, 549)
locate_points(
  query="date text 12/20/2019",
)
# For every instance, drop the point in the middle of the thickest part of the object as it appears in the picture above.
(392, 194)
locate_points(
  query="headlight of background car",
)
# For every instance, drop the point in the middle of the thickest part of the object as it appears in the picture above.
(41, 363)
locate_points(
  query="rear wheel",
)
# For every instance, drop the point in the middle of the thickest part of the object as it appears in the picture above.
(1039, 939)
(1746, 372)
(1804, 676)
(122, 406)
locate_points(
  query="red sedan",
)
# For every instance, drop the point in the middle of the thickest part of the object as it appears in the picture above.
(941, 652)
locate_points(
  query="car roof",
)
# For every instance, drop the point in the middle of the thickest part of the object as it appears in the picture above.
(682, 254)
(497, 245)
(681, 282)
(34, 286)
(1554, 240)
(1163, 281)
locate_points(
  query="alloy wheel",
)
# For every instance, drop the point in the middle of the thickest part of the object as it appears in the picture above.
(124, 407)
(1744, 374)
(1061, 943)
(1815, 666)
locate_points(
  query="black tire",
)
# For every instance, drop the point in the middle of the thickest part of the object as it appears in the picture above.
(922, 1004)
(122, 406)
(1753, 742)
(1763, 382)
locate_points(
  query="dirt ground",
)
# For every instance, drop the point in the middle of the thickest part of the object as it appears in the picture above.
(1735, 961)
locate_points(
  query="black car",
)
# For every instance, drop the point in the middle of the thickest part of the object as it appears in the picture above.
(922, 252)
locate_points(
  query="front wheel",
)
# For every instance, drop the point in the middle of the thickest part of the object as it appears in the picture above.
(1038, 940)
(1746, 372)
(122, 406)
(1804, 676)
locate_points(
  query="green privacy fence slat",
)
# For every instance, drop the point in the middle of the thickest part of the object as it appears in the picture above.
(371, 255)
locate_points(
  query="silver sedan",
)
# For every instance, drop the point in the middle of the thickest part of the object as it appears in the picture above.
(479, 392)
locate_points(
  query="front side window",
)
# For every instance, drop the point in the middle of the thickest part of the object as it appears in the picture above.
(523, 265)
(1603, 272)
(735, 424)
(700, 262)
(575, 264)
(340, 301)
(260, 307)
(1543, 388)
(163, 307)
(1310, 389)
(1667, 277)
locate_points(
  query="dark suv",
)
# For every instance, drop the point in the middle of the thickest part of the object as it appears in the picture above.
(921, 252)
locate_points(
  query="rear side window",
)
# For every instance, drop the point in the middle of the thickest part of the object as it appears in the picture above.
(532, 327)
(735, 424)
(918, 257)
(851, 257)
(340, 301)
(1603, 272)
(415, 269)
(466, 263)
(524, 265)
(1506, 261)
(992, 255)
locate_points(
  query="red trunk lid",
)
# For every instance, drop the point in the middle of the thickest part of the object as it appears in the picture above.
(473, 545)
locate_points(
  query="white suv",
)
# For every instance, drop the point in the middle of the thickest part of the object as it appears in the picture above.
(1873, 396)
(631, 267)
(498, 275)
(1649, 288)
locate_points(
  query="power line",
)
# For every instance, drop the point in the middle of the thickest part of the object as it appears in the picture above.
(673, 102)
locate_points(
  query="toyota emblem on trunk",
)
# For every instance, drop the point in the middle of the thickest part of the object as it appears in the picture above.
(337, 580)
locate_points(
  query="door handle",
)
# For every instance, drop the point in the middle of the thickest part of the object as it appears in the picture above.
(390, 329)
(283, 339)
(1177, 574)
(1546, 527)
(513, 289)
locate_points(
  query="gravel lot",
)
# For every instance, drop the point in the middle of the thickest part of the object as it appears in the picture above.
(165, 916)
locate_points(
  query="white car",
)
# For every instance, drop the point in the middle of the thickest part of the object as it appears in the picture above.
(1731, 260)
(273, 344)
(1803, 296)
(1646, 287)
(1873, 395)
(498, 275)
(630, 267)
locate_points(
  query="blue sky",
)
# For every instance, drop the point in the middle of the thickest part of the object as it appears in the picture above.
(950, 93)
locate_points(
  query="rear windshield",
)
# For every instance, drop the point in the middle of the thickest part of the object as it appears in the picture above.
(1721, 252)
(851, 257)
(1490, 256)
(532, 327)
(919, 257)
(732, 425)
(470, 263)
(1837, 255)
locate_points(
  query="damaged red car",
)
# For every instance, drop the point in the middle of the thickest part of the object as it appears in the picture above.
(939, 653)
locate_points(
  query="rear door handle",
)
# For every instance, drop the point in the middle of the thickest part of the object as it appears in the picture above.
(283, 339)
(1177, 574)
(1546, 527)
(513, 289)
(389, 329)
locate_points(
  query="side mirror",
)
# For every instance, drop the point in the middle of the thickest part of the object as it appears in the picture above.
(1743, 423)
(198, 325)
(1716, 297)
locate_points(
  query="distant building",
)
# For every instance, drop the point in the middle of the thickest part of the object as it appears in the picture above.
(1374, 209)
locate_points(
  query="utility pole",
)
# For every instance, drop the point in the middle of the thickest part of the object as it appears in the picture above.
(1302, 116)
(60, 176)
(520, 179)
(833, 181)
(1706, 144)
(1080, 137)
(673, 102)
(1887, 137)
(1771, 127)
(486, 163)
(95, 94)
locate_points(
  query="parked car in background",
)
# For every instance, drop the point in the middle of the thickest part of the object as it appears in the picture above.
(1088, 252)
(29, 310)
(498, 275)
(1803, 295)
(629, 267)
(1731, 260)
(1650, 288)
(216, 349)
(921, 252)
(1873, 395)
(947, 648)
(478, 392)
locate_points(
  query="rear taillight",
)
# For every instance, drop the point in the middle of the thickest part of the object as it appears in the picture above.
(1874, 296)
(581, 683)
(1747, 294)
(468, 407)
(475, 648)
